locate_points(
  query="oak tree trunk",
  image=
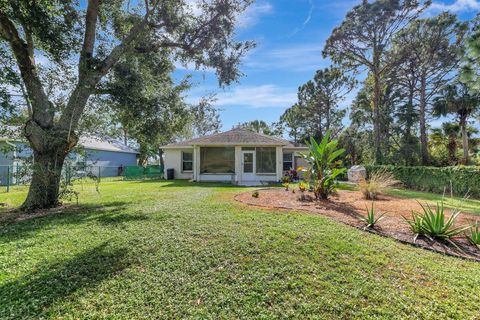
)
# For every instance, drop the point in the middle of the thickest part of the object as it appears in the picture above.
(50, 148)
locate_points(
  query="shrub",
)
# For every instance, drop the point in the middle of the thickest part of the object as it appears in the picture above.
(285, 179)
(458, 180)
(255, 194)
(286, 185)
(292, 175)
(474, 236)
(372, 217)
(378, 182)
(323, 165)
(432, 224)
(303, 186)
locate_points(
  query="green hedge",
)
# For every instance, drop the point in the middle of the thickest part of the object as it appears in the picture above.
(458, 180)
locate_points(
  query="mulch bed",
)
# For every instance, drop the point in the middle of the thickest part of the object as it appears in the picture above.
(345, 206)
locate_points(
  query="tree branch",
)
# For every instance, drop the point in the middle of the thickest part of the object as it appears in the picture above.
(43, 110)
(86, 54)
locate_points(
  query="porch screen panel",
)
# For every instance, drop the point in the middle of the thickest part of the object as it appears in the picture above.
(266, 160)
(217, 160)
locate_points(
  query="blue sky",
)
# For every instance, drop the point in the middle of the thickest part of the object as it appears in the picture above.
(290, 35)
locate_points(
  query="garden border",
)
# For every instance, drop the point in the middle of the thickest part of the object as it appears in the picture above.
(369, 230)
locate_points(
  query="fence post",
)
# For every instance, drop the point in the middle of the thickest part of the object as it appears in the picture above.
(8, 178)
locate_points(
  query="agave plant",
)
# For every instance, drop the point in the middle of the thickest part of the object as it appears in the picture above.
(323, 165)
(415, 224)
(474, 236)
(434, 225)
(372, 218)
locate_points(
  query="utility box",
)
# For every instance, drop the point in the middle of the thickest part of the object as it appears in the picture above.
(356, 174)
(170, 174)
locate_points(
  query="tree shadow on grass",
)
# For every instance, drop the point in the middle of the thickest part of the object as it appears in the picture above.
(32, 295)
(23, 226)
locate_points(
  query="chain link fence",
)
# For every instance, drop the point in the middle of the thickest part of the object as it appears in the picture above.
(20, 174)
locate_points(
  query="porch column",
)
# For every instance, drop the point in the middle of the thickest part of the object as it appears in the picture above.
(238, 164)
(196, 163)
(279, 163)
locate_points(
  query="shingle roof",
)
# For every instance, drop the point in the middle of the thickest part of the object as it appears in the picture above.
(236, 136)
(86, 141)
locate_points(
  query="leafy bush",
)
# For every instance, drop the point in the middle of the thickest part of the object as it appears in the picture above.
(286, 185)
(378, 182)
(474, 236)
(291, 175)
(323, 165)
(432, 224)
(459, 180)
(372, 218)
(303, 186)
(255, 194)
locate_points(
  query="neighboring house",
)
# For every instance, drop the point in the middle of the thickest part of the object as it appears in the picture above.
(239, 156)
(101, 157)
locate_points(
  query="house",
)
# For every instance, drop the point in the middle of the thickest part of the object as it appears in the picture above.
(239, 156)
(100, 156)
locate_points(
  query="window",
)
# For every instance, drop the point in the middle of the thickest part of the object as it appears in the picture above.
(187, 161)
(266, 160)
(217, 160)
(287, 161)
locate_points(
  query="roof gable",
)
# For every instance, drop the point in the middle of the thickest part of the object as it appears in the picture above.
(236, 136)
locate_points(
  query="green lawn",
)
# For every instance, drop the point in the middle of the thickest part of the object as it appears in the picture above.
(177, 250)
(465, 205)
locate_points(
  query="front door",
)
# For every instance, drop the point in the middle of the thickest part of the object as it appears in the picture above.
(248, 165)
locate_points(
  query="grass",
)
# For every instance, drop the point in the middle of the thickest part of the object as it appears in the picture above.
(178, 250)
(464, 205)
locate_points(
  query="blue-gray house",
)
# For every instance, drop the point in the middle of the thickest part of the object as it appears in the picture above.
(104, 157)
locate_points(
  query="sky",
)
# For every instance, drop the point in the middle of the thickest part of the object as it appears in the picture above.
(290, 35)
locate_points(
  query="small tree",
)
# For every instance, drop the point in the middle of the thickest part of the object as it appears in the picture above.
(323, 165)
(459, 100)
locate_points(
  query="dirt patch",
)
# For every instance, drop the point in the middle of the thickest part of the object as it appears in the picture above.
(345, 206)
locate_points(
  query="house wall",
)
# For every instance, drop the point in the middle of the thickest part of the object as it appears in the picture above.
(102, 162)
(108, 162)
(7, 159)
(173, 160)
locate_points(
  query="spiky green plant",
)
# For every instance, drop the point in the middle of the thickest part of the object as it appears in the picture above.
(415, 224)
(372, 217)
(474, 236)
(433, 224)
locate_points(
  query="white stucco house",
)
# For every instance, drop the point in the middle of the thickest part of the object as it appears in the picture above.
(238, 156)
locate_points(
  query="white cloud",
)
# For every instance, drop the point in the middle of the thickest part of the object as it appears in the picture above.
(457, 6)
(264, 96)
(251, 16)
(305, 57)
(246, 19)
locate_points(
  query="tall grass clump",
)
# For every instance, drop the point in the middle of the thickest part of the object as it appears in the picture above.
(378, 182)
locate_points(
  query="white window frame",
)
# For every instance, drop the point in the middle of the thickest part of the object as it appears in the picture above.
(292, 160)
(182, 161)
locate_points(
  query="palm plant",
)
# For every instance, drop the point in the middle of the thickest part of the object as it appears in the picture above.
(459, 100)
(323, 165)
